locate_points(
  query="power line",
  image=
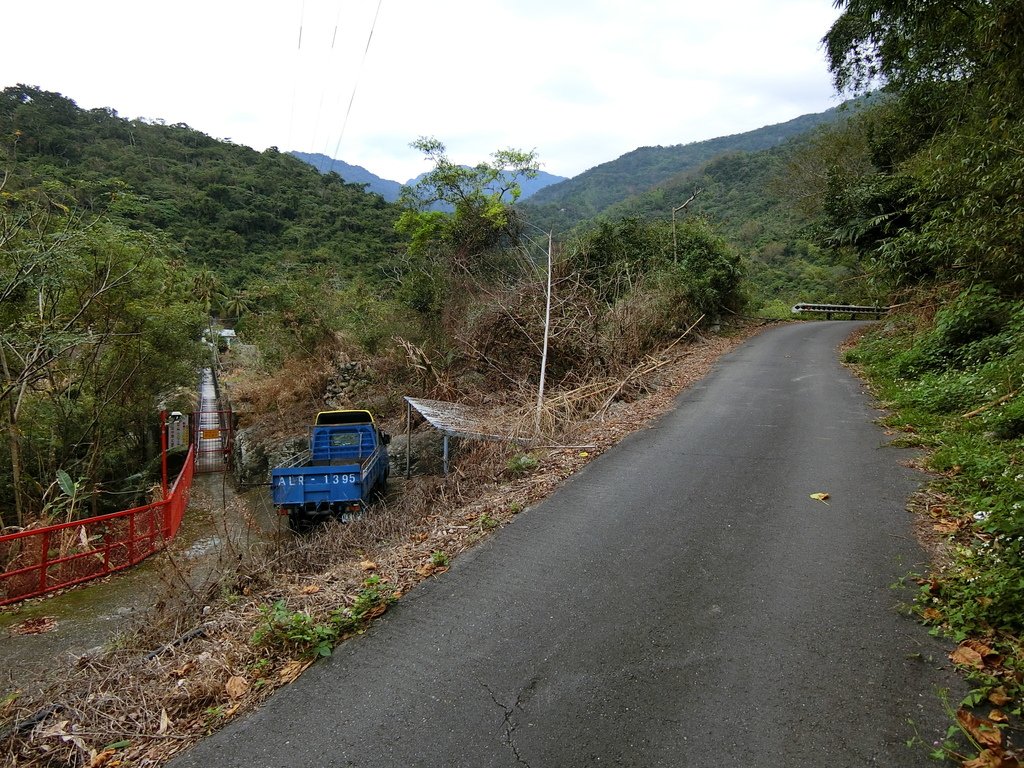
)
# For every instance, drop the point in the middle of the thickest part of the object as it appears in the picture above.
(323, 86)
(295, 76)
(355, 87)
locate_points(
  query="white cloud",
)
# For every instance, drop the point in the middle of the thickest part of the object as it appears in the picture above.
(580, 82)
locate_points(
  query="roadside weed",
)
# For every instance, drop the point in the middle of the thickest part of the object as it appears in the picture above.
(521, 464)
(439, 559)
(301, 633)
(953, 387)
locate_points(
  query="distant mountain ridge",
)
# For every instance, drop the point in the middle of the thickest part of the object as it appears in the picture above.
(585, 196)
(353, 174)
(559, 203)
(389, 190)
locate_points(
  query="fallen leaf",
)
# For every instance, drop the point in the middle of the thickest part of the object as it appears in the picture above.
(102, 758)
(310, 589)
(292, 670)
(368, 565)
(980, 647)
(36, 626)
(56, 729)
(822, 497)
(931, 614)
(992, 758)
(584, 454)
(165, 722)
(998, 716)
(376, 611)
(975, 654)
(946, 526)
(984, 732)
(60, 730)
(967, 657)
(999, 697)
(236, 687)
(990, 656)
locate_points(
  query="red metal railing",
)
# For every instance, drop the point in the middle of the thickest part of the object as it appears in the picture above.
(45, 559)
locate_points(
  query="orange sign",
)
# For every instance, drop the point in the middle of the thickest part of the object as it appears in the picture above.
(210, 434)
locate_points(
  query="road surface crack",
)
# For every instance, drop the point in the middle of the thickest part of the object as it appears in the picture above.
(510, 723)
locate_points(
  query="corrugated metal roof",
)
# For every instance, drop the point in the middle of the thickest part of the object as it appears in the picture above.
(460, 420)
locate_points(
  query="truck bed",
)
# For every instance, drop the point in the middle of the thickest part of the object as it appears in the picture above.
(310, 484)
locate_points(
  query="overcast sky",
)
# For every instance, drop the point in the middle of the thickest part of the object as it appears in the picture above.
(579, 82)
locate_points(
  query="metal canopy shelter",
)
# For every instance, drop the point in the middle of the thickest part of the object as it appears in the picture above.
(451, 420)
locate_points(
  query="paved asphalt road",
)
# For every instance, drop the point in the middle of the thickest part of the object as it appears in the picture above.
(680, 602)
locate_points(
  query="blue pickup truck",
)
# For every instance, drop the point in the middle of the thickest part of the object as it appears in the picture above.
(346, 464)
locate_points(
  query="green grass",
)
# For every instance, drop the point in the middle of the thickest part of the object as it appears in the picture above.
(952, 386)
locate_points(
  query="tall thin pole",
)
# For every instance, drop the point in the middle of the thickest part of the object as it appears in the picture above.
(408, 437)
(675, 248)
(544, 352)
(163, 453)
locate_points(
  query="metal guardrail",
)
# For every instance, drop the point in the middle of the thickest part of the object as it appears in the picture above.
(840, 309)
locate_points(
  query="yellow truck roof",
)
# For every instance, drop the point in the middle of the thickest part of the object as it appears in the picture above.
(356, 416)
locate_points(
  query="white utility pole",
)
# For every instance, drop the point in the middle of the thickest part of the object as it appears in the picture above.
(544, 349)
(675, 250)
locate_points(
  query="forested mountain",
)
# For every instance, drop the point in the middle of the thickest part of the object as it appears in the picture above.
(581, 198)
(235, 210)
(390, 190)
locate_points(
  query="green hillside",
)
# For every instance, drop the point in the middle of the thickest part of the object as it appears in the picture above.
(118, 238)
(581, 198)
(230, 208)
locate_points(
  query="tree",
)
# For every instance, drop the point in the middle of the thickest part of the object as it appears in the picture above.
(477, 202)
(899, 43)
(945, 200)
(235, 304)
(904, 43)
(208, 288)
(691, 260)
(94, 327)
